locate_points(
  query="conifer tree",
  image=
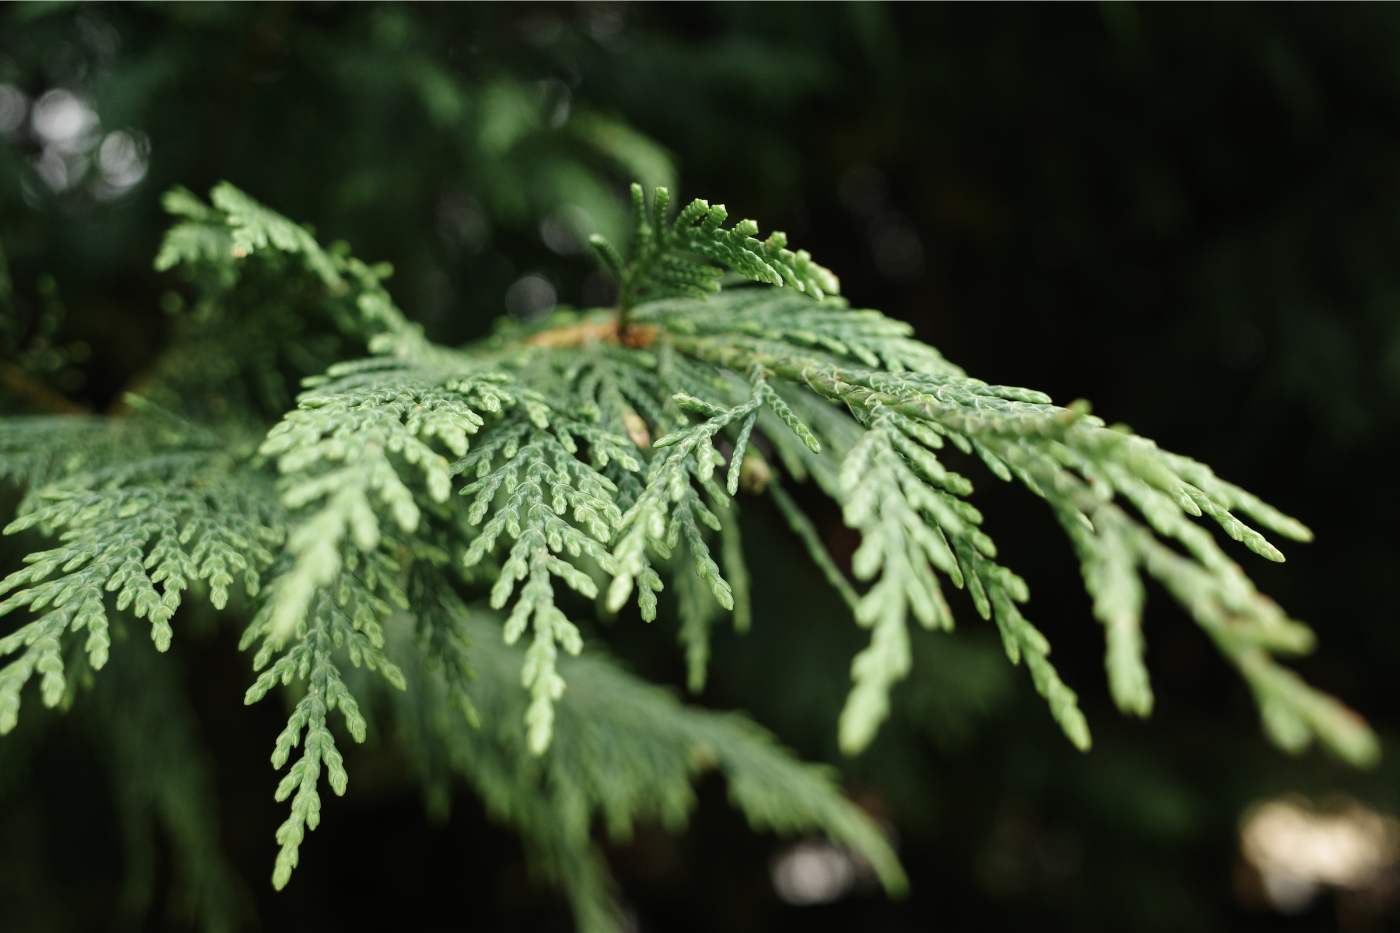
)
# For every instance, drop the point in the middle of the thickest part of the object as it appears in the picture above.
(427, 537)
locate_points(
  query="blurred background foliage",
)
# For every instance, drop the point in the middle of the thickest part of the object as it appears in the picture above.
(1190, 218)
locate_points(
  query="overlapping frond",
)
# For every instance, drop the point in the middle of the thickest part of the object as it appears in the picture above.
(862, 337)
(671, 507)
(137, 535)
(604, 450)
(364, 446)
(1130, 509)
(215, 243)
(40, 449)
(624, 752)
(558, 511)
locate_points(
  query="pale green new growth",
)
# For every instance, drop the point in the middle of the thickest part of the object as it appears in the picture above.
(598, 452)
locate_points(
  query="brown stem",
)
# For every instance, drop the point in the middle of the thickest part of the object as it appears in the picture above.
(636, 336)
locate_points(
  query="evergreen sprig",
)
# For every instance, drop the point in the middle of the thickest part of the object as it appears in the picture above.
(413, 517)
(689, 253)
(342, 620)
(557, 510)
(144, 529)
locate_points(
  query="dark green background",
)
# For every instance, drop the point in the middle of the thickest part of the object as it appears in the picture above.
(1190, 215)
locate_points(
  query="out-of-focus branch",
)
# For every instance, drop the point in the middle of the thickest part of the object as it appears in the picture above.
(24, 386)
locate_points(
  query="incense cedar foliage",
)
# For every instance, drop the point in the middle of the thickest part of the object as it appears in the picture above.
(403, 536)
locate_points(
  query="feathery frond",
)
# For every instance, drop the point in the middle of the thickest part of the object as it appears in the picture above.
(604, 450)
(144, 530)
(624, 752)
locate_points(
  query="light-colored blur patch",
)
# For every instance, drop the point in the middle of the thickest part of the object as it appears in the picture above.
(53, 169)
(74, 152)
(1298, 848)
(814, 873)
(13, 107)
(121, 163)
(530, 297)
(64, 121)
(562, 231)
